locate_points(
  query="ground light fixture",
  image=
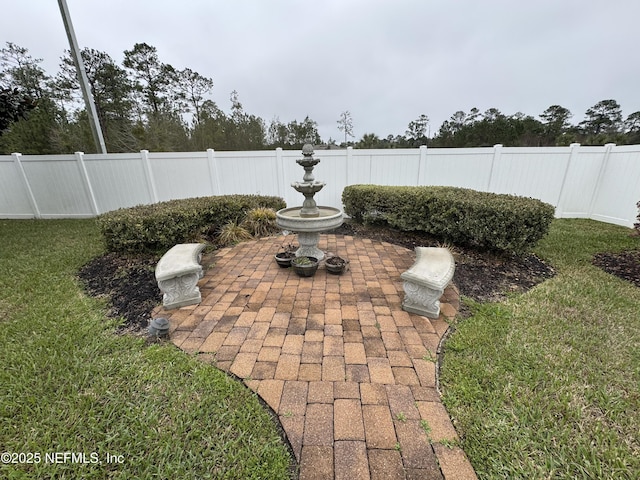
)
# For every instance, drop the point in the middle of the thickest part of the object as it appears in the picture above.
(159, 328)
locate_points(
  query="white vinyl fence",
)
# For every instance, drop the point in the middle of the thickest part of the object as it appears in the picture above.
(602, 183)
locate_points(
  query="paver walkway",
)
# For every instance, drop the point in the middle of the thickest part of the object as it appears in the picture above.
(350, 374)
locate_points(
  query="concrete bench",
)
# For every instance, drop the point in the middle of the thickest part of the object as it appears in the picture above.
(178, 272)
(426, 280)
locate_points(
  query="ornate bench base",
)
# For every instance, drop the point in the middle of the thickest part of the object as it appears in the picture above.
(177, 273)
(425, 281)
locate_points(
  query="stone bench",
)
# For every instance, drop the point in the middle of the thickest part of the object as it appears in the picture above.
(425, 281)
(177, 274)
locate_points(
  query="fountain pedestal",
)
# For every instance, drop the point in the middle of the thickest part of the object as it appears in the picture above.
(309, 245)
(309, 219)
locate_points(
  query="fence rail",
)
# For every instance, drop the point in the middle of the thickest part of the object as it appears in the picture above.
(602, 183)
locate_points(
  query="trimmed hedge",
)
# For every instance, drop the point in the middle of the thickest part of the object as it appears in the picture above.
(461, 216)
(160, 226)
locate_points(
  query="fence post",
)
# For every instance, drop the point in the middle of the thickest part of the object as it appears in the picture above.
(214, 175)
(151, 183)
(86, 182)
(573, 155)
(280, 172)
(27, 186)
(348, 165)
(497, 153)
(422, 166)
(603, 168)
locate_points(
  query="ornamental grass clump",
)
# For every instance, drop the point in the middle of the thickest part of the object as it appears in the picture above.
(261, 222)
(231, 233)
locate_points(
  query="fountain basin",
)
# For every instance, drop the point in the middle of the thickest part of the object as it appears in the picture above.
(328, 218)
(309, 228)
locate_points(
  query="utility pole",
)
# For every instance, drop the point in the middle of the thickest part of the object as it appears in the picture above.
(84, 81)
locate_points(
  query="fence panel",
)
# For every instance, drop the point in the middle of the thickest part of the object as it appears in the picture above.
(460, 167)
(181, 175)
(592, 182)
(530, 172)
(58, 186)
(14, 196)
(618, 191)
(400, 169)
(118, 180)
(583, 169)
(359, 166)
(247, 172)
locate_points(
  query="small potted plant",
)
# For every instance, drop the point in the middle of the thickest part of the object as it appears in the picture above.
(305, 266)
(287, 254)
(336, 265)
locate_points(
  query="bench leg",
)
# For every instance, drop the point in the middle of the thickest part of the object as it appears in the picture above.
(421, 300)
(180, 291)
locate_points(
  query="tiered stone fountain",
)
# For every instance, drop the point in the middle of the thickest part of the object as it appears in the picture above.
(309, 219)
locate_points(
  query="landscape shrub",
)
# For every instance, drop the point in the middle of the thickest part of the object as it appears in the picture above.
(160, 226)
(637, 225)
(461, 216)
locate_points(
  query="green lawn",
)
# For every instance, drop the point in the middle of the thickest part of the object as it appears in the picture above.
(544, 385)
(68, 384)
(547, 384)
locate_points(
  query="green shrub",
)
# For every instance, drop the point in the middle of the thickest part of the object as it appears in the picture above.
(637, 225)
(261, 222)
(158, 227)
(461, 216)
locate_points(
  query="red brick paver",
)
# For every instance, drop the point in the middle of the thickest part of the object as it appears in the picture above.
(350, 374)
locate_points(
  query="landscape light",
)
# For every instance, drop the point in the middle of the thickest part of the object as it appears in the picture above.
(159, 327)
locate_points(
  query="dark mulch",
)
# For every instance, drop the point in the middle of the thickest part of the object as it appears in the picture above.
(625, 265)
(129, 282)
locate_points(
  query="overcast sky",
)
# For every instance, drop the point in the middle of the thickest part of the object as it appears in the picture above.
(387, 62)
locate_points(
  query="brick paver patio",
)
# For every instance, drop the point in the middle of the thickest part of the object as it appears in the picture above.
(351, 376)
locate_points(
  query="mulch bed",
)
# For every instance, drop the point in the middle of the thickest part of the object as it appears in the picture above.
(625, 265)
(129, 284)
(129, 281)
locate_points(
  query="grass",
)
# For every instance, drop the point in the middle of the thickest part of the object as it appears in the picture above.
(69, 384)
(547, 383)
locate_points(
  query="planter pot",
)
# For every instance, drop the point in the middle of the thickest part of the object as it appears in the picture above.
(336, 265)
(305, 269)
(284, 259)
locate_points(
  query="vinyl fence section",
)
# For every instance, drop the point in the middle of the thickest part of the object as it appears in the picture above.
(602, 183)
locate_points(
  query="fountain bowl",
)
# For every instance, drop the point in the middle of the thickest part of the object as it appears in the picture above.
(328, 218)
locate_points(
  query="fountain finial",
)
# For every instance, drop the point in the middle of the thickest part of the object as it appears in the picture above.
(307, 150)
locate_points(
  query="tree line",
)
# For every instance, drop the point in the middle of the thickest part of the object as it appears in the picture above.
(603, 123)
(141, 104)
(147, 104)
